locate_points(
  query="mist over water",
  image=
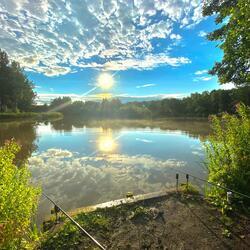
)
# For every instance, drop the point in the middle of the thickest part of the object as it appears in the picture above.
(81, 163)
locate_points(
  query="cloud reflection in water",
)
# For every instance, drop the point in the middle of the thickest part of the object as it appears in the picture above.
(76, 180)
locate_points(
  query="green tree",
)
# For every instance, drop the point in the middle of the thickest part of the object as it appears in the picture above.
(60, 103)
(228, 153)
(18, 201)
(16, 91)
(134, 111)
(233, 16)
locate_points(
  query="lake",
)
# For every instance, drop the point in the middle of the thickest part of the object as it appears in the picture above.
(81, 163)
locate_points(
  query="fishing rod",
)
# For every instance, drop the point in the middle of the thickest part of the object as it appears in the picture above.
(75, 222)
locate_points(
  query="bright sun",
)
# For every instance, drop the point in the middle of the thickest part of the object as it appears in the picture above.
(106, 144)
(105, 81)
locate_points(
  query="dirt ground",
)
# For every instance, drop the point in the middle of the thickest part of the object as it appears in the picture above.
(175, 221)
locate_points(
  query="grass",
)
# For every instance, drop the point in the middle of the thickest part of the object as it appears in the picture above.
(32, 115)
(68, 236)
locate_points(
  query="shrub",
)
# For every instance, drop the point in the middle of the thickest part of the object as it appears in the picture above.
(228, 154)
(18, 201)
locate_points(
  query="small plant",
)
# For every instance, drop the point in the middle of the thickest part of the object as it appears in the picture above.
(226, 233)
(189, 189)
(141, 211)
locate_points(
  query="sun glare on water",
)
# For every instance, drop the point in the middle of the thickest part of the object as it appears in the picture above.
(106, 144)
(105, 81)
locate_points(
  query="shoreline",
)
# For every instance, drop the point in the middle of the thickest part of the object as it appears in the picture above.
(5, 117)
(173, 220)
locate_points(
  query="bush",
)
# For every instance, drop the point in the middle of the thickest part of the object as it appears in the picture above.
(228, 154)
(18, 201)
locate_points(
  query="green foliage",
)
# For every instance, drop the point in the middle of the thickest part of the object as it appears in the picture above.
(228, 155)
(18, 201)
(233, 17)
(16, 91)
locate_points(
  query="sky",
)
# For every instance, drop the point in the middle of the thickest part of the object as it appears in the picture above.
(152, 48)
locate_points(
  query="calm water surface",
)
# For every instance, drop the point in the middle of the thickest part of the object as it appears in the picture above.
(80, 164)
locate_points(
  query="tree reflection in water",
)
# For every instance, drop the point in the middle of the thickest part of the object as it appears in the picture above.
(25, 135)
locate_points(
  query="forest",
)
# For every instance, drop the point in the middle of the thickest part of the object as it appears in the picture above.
(196, 105)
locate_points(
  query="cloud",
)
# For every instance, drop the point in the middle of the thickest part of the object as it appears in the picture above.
(227, 86)
(145, 86)
(55, 70)
(201, 72)
(57, 37)
(202, 75)
(148, 62)
(175, 36)
(199, 153)
(202, 33)
(205, 78)
(57, 153)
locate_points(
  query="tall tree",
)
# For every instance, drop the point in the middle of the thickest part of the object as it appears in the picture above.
(16, 91)
(233, 18)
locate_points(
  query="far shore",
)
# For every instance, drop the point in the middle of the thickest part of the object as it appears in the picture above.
(10, 116)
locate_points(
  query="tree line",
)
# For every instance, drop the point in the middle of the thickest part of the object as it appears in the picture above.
(196, 105)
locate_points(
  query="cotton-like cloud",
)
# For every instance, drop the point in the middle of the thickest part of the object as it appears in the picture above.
(202, 33)
(175, 36)
(57, 37)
